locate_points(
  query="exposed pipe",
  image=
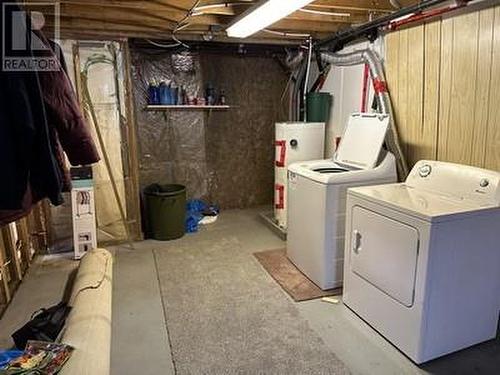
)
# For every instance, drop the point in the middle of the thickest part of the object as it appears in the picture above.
(424, 15)
(377, 74)
(370, 29)
(306, 81)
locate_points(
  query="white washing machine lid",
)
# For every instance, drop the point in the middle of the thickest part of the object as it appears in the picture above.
(362, 140)
(329, 172)
(420, 203)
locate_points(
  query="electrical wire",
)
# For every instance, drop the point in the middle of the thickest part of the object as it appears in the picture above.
(198, 11)
(282, 33)
(337, 14)
(162, 45)
(179, 26)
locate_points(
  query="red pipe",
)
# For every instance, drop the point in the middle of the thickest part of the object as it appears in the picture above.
(425, 15)
(364, 94)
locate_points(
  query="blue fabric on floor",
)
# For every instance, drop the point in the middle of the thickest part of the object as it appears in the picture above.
(7, 355)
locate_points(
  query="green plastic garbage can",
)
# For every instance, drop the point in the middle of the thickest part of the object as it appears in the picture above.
(166, 211)
(318, 106)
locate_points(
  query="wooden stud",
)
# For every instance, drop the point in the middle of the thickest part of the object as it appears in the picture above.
(5, 295)
(132, 186)
(9, 233)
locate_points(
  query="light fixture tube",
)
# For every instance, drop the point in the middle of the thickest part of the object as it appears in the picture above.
(263, 15)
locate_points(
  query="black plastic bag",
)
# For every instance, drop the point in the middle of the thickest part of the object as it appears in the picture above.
(45, 325)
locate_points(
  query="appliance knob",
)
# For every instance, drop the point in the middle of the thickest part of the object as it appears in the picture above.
(294, 143)
(425, 170)
(484, 182)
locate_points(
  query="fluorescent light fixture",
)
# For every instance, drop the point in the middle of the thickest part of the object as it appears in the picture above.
(263, 15)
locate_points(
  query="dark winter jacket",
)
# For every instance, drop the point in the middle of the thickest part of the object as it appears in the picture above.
(34, 105)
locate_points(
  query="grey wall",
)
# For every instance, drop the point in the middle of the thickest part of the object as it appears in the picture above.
(225, 157)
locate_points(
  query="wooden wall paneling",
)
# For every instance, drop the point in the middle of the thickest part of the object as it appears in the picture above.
(492, 157)
(402, 101)
(432, 63)
(461, 74)
(445, 86)
(458, 137)
(391, 68)
(483, 78)
(415, 88)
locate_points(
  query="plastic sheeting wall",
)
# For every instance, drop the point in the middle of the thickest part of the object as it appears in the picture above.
(171, 144)
(224, 157)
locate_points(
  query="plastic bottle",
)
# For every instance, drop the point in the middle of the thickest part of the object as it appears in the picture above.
(222, 98)
(164, 93)
(210, 95)
(153, 94)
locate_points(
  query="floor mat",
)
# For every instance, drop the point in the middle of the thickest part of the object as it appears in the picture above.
(226, 316)
(294, 282)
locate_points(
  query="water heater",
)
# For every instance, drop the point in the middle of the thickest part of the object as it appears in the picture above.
(294, 142)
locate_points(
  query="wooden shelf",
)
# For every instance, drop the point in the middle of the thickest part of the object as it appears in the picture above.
(186, 107)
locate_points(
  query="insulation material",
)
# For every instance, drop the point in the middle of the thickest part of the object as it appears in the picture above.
(107, 100)
(104, 94)
(240, 141)
(172, 144)
(225, 157)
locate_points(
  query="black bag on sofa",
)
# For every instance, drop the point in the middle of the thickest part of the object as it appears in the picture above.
(45, 325)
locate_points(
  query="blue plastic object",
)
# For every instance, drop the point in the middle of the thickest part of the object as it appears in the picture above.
(153, 94)
(8, 355)
(165, 94)
(196, 209)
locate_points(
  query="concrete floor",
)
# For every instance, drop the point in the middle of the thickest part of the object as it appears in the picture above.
(140, 333)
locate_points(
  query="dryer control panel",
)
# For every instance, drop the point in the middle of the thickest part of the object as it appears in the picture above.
(456, 181)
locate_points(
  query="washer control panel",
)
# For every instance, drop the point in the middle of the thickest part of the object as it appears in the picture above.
(456, 181)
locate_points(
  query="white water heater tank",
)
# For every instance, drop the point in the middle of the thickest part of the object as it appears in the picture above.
(294, 142)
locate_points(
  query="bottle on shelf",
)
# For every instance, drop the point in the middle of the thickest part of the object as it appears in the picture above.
(153, 93)
(222, 98)
(210, 94)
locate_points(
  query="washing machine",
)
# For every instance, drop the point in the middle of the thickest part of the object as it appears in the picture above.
(422, 258)
(317, 192)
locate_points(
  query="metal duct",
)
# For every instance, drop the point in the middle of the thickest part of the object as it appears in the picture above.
(367, 56)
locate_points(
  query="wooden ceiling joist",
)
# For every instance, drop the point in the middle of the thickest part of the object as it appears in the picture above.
(158, 18)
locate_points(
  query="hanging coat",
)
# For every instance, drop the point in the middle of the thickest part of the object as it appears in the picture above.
(38, 110)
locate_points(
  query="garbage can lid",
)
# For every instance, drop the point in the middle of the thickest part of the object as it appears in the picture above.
(164, 190)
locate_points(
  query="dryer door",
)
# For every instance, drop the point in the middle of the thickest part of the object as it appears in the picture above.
(384, 253)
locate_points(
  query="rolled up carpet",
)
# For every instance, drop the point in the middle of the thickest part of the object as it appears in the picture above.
(88, 326)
